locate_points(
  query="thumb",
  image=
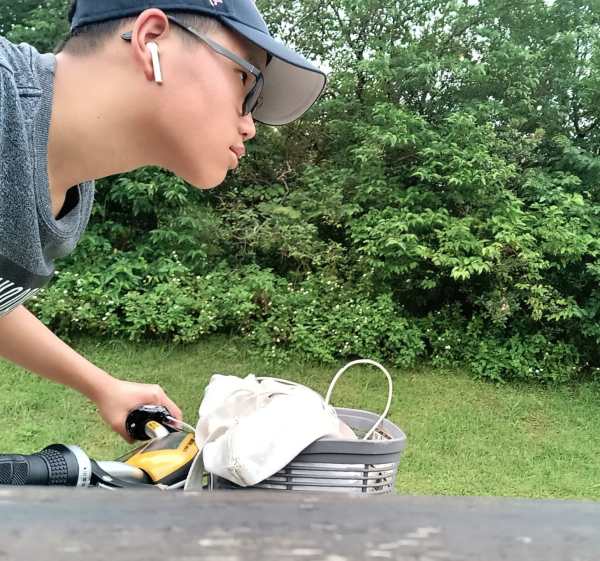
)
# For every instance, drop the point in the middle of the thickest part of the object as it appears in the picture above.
(170, 405)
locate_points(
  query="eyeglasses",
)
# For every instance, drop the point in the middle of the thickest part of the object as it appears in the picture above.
(253, 99)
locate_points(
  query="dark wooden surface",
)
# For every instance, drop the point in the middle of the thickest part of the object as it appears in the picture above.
(56, 525)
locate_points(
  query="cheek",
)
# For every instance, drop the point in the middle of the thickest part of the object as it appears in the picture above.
(206, 106)
(202, 150)
(202, 119)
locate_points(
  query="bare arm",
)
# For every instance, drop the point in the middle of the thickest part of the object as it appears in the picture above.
(27, 342)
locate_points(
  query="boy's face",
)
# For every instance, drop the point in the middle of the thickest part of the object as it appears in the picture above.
(198, 113)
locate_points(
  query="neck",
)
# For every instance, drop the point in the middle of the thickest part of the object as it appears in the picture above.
(93, 131)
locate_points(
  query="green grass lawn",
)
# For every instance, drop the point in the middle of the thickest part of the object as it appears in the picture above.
(465, 437)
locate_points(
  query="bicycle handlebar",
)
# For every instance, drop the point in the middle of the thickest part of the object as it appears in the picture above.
(68, 466)
(56, 466)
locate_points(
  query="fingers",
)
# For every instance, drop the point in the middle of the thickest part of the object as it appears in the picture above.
(163, 399)
(128, 395)
(173, 409)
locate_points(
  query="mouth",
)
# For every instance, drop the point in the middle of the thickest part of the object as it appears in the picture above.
(238, 152)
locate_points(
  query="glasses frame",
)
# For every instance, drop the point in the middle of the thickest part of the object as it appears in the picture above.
(259, 81)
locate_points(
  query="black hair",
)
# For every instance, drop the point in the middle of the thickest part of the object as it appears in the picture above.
(88, 39)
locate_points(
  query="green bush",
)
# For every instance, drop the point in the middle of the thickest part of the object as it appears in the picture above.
(441, 202)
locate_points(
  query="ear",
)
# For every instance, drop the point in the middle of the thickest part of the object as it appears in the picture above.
(151, 26)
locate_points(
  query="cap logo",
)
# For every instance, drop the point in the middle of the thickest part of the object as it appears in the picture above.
(215, 2)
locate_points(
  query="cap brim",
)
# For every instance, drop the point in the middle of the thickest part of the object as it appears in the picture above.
(292, 83)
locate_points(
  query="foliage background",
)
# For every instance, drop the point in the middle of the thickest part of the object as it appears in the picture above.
(441, 202)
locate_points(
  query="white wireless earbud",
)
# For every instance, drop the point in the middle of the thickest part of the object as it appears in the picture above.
(153, 48)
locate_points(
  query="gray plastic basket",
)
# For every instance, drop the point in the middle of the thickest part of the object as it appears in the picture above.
(333, 465)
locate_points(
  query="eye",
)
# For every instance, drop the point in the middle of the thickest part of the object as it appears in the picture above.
(244, 76)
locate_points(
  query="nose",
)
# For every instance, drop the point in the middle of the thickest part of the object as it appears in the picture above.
(247, 128)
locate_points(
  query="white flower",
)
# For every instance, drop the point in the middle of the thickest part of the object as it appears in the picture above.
(447, 347)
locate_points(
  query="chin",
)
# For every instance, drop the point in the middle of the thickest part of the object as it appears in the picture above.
(204, 180)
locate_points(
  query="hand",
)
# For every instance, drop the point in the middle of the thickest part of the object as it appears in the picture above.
(118, 398)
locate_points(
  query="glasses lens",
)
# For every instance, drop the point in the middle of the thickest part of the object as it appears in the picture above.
(254, 98)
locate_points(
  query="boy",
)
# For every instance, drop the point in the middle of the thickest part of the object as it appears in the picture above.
(175, 84)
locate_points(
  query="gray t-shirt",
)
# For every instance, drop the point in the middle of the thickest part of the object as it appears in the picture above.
(31, 238)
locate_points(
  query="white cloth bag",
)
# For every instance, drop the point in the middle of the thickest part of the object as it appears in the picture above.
(251, 428)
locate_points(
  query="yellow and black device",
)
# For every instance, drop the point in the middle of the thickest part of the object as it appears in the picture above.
(166, 460)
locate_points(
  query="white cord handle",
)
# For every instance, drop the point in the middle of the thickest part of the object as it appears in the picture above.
(391, 386)
(189, 427)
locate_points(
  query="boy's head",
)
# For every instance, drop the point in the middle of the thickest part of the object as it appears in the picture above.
(221, 70)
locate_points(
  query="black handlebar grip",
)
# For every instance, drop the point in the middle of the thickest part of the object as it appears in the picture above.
(55, 466)
(138, 417)
(23, 470)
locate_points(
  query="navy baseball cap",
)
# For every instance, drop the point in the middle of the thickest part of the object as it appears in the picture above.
(292, 83)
